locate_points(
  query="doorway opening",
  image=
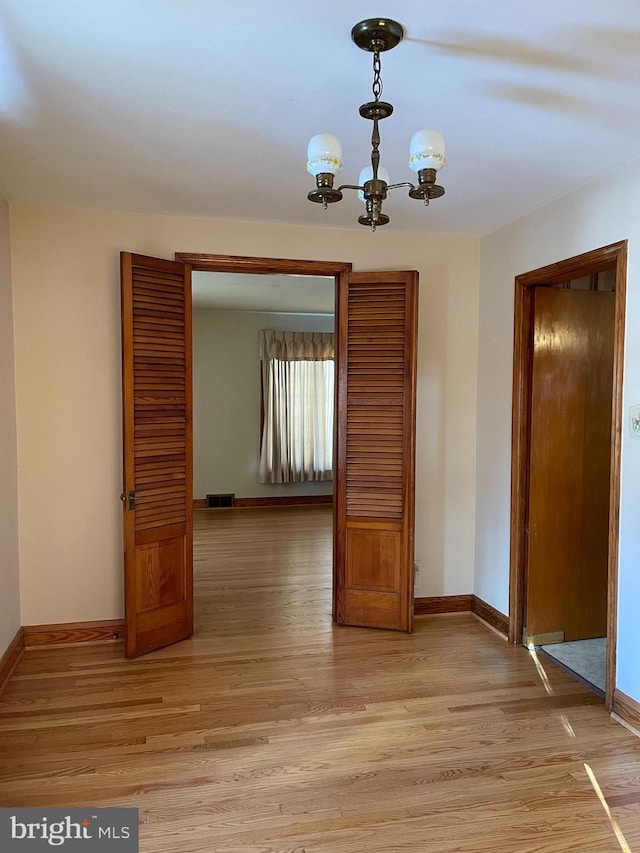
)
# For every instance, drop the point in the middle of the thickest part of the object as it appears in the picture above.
(263, 427)
(255, 266)
(567, 414)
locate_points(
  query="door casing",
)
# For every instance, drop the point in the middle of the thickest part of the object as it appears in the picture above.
(581, 265)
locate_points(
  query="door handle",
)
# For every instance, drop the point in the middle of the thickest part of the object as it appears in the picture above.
(129, 498)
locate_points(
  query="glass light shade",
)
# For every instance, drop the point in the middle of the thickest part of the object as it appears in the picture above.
(324, 154)
(367, 175)
(427, 150)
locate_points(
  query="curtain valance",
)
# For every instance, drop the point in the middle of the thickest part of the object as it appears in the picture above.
(296, 346)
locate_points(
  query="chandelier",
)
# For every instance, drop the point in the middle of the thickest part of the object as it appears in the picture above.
(426, 151)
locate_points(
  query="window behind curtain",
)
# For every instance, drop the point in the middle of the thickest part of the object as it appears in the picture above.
(297, 393)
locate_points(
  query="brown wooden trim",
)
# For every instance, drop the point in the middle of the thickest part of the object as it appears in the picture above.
(128, 429)
(293, 500)
(575, 267)
(286, 500)
(587, 263)
(70, 633)
(10, 659)
(617, 418)
(462, 604)
(409, 437)
(522, 356)
(341, 329)
(442, 604)
(269, 266)
(188, 368)
(626, 708)
(490, 615)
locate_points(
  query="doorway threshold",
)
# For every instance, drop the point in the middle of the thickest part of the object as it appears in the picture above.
(585, 660)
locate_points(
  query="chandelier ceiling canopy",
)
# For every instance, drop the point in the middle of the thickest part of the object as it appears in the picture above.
(426, 150)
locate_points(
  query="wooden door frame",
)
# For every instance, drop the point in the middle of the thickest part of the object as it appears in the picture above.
(282, 266)
(580, 265)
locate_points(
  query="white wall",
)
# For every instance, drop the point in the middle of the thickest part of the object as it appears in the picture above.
(9, 576)
(226, 401)
(601, 213)
(67, 330)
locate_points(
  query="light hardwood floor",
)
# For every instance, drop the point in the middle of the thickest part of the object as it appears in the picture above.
(273, 731)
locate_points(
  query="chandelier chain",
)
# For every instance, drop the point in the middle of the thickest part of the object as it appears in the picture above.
(377, 80)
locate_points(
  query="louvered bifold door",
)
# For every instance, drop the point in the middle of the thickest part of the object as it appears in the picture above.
(157, 429)
(376, 449)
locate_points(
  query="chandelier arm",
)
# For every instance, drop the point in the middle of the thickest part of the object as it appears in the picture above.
(402, 184)
(350, 187)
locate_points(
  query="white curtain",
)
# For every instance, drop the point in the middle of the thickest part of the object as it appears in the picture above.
(297, 400)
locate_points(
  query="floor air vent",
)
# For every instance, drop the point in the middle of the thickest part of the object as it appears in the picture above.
(219, 500)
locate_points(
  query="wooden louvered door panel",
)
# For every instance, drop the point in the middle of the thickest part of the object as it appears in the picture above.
(157, 432)
(376, 355)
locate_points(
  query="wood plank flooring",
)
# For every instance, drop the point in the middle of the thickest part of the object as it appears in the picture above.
(274, 731)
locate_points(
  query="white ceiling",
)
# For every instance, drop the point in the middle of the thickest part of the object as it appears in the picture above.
(205, 108)
(288, 294)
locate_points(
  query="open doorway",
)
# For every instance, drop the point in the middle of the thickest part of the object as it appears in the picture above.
(569, 327)
(263, 426)
(232, 314)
